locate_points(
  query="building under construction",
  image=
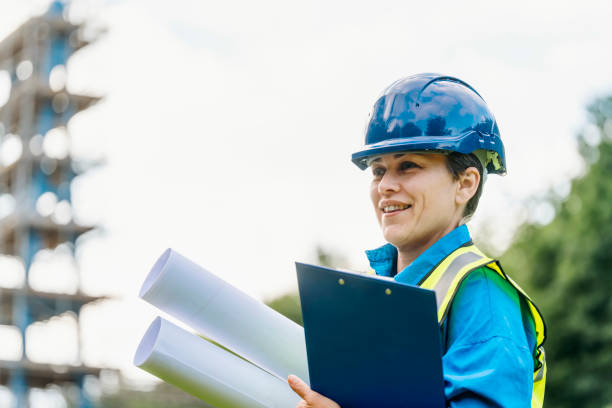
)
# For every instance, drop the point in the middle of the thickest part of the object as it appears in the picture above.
(38, 182)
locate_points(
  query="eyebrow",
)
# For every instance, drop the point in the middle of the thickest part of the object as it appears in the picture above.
(396, 156)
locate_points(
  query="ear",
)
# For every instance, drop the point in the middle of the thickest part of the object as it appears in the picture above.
(467, 185)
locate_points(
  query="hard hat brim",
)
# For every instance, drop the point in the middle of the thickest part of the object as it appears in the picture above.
(465, 143)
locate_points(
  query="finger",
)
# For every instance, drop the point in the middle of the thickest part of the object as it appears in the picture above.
(300, 387)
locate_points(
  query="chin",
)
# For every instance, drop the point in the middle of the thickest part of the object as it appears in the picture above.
(396, 238)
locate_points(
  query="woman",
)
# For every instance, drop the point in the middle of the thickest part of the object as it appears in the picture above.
(430, 144)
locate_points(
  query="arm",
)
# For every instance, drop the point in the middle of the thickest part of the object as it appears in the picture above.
(488, 360)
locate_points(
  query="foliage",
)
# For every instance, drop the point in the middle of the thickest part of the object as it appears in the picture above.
(289, 306)
(566, 266)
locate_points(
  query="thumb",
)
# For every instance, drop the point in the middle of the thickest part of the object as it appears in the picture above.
(300, 387)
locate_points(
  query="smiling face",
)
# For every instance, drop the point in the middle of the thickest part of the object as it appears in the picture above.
(416, 199)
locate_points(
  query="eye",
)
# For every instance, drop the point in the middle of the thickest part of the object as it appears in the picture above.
(407, 165)
(378, 172)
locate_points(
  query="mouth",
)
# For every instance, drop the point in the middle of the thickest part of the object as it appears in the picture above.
(392, 209)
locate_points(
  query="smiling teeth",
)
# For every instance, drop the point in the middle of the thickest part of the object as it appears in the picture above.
(390, 208)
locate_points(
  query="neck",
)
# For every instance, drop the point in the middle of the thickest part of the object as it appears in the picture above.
(407, 255)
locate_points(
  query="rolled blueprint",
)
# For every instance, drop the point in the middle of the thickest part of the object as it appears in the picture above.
(208, 372)
(219, 311)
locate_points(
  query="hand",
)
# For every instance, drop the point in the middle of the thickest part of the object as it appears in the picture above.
(310, 398)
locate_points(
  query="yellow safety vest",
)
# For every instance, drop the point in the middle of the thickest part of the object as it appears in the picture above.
(445, 279)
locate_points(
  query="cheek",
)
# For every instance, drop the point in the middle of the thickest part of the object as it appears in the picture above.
(374, 197)
(437, 195)
(444, 198)
(374, 192)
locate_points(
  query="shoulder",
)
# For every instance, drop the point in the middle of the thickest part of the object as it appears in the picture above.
(487, 282)
(485, 306)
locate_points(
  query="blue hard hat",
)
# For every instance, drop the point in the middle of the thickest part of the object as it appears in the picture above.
(426, 112)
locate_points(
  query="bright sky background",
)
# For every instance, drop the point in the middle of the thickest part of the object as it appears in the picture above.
(227, 128)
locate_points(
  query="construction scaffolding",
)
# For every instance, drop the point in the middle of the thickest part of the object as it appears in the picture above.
(39, 183)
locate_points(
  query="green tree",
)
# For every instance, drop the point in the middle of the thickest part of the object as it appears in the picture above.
(289, 306)
(566, 266)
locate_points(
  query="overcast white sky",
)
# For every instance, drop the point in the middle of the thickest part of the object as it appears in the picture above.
(227, 127)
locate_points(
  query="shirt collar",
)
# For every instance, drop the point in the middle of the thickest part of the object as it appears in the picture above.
(384, 259)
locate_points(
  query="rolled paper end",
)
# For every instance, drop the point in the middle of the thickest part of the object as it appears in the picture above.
(155, 272)
(148, 342)
(190, 293)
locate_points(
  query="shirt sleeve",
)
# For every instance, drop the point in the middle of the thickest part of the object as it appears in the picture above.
(488, 360)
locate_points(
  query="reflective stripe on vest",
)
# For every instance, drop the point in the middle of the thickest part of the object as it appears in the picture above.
(445, 279)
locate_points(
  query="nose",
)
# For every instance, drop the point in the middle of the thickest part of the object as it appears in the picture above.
(388, 184)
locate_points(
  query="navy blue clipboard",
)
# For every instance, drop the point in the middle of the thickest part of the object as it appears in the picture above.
(371, 342)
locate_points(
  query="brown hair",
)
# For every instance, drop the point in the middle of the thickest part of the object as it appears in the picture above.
(457, 163)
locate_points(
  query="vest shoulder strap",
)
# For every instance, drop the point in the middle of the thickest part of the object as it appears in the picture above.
(446, 278)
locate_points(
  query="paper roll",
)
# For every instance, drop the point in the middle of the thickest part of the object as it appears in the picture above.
(208, 372)
(217, 310)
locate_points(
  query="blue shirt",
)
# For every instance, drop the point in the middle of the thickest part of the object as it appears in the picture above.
(488, 336)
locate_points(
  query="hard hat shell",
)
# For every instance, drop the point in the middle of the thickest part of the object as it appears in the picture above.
(427, 112)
